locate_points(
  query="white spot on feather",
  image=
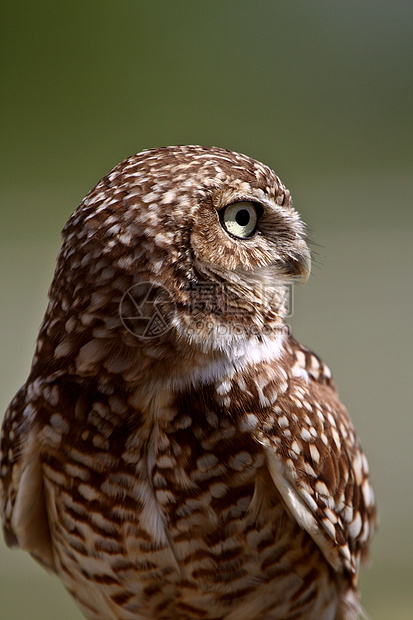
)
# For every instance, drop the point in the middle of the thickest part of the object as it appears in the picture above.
(354, 528)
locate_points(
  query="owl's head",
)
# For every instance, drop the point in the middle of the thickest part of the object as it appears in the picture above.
(191, 246)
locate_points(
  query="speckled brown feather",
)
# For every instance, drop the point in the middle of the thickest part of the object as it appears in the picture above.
(207, 472)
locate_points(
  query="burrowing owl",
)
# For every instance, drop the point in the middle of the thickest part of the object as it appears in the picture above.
(175, 453)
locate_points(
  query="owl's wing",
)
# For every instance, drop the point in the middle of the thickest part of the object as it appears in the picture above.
(25, 522)
(317, 464)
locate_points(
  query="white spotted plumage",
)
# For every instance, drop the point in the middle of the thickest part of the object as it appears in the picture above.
(175, 452)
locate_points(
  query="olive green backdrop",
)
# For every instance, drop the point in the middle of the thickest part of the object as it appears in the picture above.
(320, 91)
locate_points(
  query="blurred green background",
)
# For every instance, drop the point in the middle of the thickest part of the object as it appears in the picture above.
(321, 92)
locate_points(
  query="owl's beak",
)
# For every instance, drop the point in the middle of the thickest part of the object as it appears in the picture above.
(300, 264)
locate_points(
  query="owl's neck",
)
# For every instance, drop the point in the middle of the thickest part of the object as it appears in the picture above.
(206, 368)
(187, 369)
(169, 365)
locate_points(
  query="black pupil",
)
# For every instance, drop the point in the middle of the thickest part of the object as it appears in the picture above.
(242, 217)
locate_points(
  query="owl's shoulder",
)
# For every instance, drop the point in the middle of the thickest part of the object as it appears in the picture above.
(303, 360)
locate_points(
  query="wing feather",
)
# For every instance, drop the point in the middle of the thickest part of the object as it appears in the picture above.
(316, 461)
(24, 513)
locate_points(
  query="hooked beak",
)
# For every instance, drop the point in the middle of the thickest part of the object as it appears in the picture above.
(300, 263)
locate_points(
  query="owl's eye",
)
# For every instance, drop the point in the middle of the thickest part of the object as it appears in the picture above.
(240, 219)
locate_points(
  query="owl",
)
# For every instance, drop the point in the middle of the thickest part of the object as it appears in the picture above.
(175, 453)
